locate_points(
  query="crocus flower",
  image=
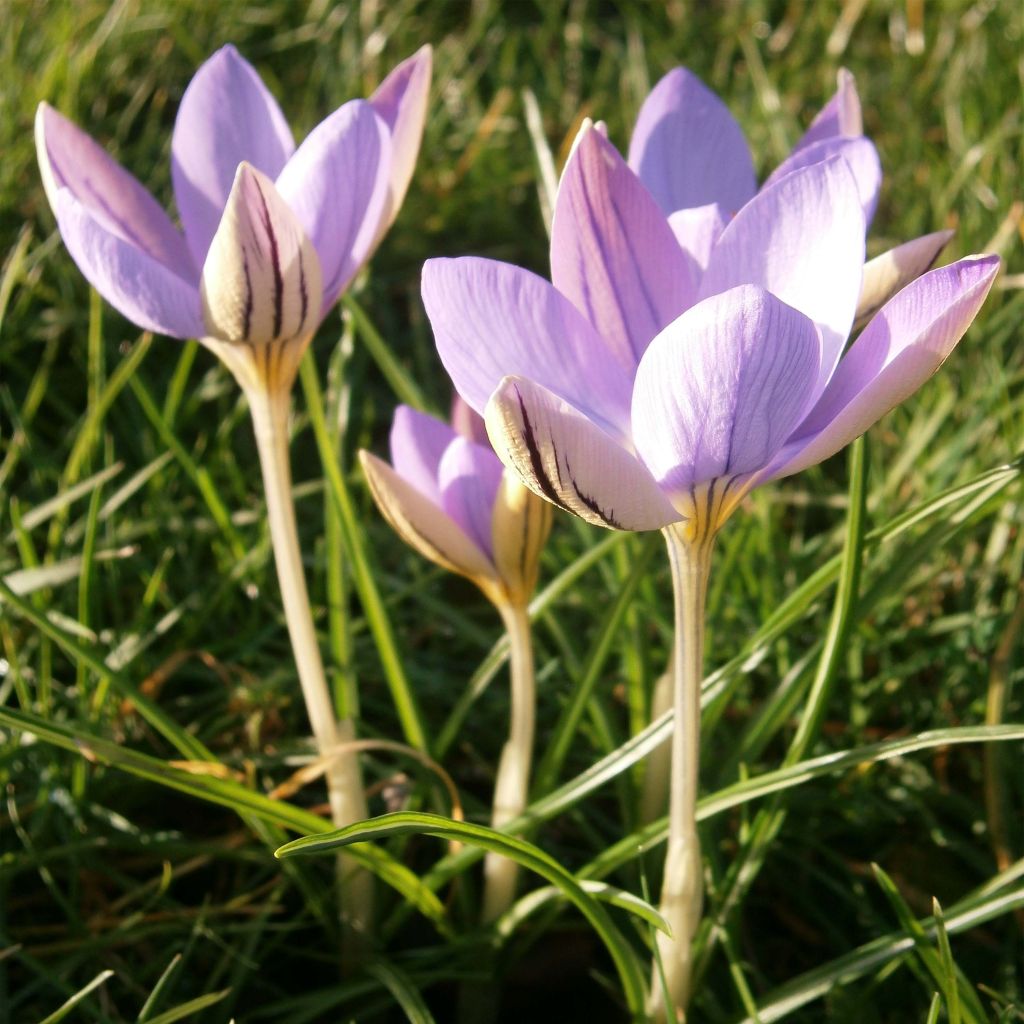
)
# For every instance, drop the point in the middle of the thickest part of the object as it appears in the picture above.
(447, 495)
(643, 388)
(691, 153)
(629, 382)
(270, 234)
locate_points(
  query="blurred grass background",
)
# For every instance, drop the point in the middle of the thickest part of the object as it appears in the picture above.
(153, 554)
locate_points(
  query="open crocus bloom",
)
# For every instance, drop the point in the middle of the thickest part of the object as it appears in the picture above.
(638, 388)
(448, 497)
(271, 234)
(690, 152)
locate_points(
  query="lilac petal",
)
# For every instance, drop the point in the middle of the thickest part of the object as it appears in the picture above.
(841, 116)
(491, 319)
(423, 525)
(697, 230)
(886, 274)
(566, 458)
(802, 239)
(417, 443)
(337, 184)
(113, 198)
(261, 279)
(688, 149)
(467, 421)
(469, 476)
(898, 351)
(132, 281)
(859, 153)
(721, 389)
(613, 253)
(401, 101)
(226, 116)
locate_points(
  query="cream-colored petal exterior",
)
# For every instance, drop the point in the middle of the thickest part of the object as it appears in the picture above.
(261, 279)
(424, 526)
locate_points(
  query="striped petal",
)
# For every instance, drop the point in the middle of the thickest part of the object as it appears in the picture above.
(337, 184)
(613, 253)
(132, 281)
(841, 116)
(802, 239)
(491, 319)
(261, 279)
(722, 388)
(564, 457)
(418, 442)
(697, 230)
(885, 275)
(899, 350)
(469, 476)
(688, 149)
(401, 100)
(103, 189)
(859, 153)
(226, 116)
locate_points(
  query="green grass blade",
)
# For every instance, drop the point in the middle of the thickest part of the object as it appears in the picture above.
(522, 852)
(405, 992)
(538, 899)
(226, 793)
(568, 723)
(185, 1010)
(401, 381)
(362, 573)
(973, 910)
(62, 1011)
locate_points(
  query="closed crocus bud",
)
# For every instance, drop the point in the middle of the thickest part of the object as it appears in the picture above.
(260, 285)
(449, 498)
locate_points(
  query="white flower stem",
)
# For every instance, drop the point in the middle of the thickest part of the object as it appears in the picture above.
(512, 785)
(657, 771)
(269, 409)
(682, 885)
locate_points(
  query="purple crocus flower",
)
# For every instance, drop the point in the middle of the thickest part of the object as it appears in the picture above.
(690, 152)
(636, 379)
(448, 496)
(270, 234)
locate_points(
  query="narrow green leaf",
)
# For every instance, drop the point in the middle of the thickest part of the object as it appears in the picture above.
(401, 987)
(523, 853)
(362, 574)
(185, 1010)
(540, 898)
(568, 722)
(401, 381)
(154, 996)
(62, 1011)
(1001, 895)
(227, 793)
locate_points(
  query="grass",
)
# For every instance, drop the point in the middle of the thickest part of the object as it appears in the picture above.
(148, 701)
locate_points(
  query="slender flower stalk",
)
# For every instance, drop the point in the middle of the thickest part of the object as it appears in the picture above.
(269, 410)
(448, 497)
(512, 784)
(689, 554)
